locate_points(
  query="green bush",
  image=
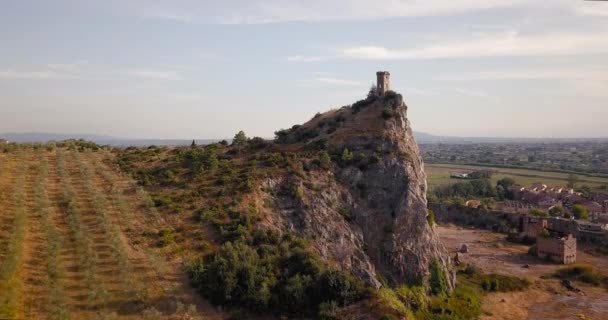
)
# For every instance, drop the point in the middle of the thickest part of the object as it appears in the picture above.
(273, 274)
(437, 281)
(582, 272)
(463, 304)
(388, 113)
(347, 156)
(580, 212)
(430, 217)
(346, 214)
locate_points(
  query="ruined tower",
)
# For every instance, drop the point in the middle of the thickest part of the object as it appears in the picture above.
(384, 82)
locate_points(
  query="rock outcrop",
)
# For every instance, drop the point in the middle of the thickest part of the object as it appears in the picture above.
(368, 213)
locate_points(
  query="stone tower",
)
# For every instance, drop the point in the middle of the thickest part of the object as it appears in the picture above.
(384, 82)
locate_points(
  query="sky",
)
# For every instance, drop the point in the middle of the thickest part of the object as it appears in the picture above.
(186, 69)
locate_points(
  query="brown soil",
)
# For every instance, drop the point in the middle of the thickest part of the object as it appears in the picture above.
(545, 298)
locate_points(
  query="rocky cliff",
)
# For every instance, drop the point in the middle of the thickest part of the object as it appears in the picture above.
(366, 211)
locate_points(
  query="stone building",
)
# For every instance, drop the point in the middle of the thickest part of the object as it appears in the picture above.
(383, 82)
(560, 249)
(530, 227)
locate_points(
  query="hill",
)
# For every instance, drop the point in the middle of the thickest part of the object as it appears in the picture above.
(328, 220)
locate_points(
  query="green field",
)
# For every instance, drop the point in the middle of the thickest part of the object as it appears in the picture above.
(439, 174)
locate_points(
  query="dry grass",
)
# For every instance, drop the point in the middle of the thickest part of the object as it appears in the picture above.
(72, 243)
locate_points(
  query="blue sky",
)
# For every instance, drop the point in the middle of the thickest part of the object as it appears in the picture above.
(206, 69)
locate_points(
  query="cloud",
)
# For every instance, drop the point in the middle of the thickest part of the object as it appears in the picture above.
(281, 11)
(302, 58)
(593, 8)
(154, 74)
(340, 82)
(11, 74)
(594, 74)
(502, 44)
(68, 71)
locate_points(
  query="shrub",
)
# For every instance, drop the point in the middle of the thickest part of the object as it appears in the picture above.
(582, 272)
(276, 274)
(346, 214)
(539, 213)
(388, 113)
(437, 279)
(430, 217)
(324, 160)
(347, 156)
(414, 298)
(299, 193)
(166, 237)
(388, 299)
(580, 212)
(463, 304)
(329, 310)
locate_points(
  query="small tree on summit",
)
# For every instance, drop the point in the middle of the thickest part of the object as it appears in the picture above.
(193, 143)
(240, 140)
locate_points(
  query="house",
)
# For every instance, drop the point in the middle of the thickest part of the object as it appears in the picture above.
(560, 249)
(593, 207)
(538, 187)
(530, 227)
(461, 175)
(591, 227)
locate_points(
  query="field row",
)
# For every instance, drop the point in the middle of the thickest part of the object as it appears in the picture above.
(68, 241)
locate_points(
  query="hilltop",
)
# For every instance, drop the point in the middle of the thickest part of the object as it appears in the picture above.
(349, 181)
(327, 220)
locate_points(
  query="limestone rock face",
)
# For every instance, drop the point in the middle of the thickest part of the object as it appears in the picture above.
(366, 214)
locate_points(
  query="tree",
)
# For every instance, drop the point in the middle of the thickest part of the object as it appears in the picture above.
(539, 213)
(586, 190)
(580, 212)
(193, 144)
(240, 140)
(556, 211)
(373, 91)
(505, 182)
(572, 180)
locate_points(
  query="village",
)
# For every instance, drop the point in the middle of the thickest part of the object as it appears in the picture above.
(533, 235)
(554, 218)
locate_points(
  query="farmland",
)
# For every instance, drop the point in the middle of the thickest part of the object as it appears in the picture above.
(74, 242)
(439, 174)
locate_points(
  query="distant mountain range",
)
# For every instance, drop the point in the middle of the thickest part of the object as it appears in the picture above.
(421, 137)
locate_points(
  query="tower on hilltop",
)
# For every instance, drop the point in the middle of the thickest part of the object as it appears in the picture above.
(383, 82)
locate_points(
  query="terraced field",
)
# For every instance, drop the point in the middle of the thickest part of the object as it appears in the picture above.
(74, 244)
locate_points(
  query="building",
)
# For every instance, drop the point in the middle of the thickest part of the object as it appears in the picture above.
(560, 249)
(383, 82)
(530, 227)
(3, 141)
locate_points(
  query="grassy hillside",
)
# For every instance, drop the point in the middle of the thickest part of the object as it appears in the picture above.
(75, 244)
(161, 233)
